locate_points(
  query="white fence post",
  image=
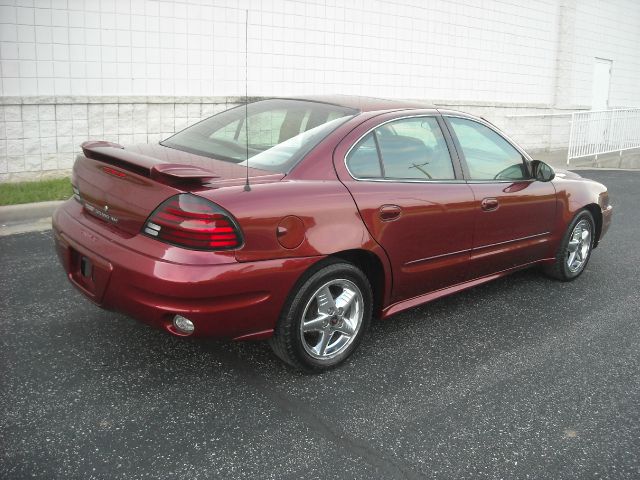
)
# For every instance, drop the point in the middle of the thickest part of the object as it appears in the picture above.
(573, 121)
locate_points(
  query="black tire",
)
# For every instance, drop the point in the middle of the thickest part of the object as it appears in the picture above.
(559, 269)
(287, 341)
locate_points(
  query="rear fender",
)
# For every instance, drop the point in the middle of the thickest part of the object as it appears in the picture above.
(297, 218)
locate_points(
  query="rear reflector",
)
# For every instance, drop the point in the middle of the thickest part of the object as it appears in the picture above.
(192, 222)
(76, 193)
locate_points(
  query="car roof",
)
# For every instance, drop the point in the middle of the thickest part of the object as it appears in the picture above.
(364, 104)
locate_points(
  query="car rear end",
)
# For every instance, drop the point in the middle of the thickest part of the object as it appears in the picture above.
(145, 243)
(150, 230)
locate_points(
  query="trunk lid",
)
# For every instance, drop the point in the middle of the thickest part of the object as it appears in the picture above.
(122, 187)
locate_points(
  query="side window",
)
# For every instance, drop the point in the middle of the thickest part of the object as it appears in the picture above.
(414, 148)
(488, 155)
(363, 161)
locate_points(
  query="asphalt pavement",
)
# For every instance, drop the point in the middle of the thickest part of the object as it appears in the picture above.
(524, 377)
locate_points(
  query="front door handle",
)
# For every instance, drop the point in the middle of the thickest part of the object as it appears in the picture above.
(488, 204)
(389, 213)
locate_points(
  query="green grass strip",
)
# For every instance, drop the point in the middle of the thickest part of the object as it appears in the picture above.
(41, 191)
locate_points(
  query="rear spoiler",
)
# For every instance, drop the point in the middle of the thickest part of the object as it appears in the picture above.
(115, 154)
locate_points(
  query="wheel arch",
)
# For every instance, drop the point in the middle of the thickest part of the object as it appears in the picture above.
(367, 261)
(372, 266)
(594, 210)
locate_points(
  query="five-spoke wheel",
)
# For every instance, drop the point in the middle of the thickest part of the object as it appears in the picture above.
(579, 245)
(575, 249)
(331, 318)
(325, 318)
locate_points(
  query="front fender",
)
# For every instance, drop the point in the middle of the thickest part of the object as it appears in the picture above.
(575, 193)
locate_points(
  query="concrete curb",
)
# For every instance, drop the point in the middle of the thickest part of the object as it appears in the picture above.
(27, 212)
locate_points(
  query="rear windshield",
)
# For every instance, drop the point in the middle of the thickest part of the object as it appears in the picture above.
(281, 132)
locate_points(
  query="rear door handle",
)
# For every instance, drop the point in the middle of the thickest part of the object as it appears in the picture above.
(488, 204)
(389, 213)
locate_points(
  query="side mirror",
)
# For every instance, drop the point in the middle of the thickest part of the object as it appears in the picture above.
(542, 171)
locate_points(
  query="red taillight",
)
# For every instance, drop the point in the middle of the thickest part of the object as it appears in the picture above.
(193, 222)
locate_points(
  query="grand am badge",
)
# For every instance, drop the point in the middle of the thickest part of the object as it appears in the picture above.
(103, 214)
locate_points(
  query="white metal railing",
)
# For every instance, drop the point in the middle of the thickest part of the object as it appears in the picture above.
(607, 131)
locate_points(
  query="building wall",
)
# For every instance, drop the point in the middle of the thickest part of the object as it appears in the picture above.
(592, 29)
(610, 31)
(72, 69)
(465, 50)
(44, 134)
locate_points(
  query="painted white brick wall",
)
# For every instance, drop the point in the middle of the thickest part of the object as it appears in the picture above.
(609, 31)
(137, 70)
(42, 140)
(465, 50)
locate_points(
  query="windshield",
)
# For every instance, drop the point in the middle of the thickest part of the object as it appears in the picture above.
(281, 132)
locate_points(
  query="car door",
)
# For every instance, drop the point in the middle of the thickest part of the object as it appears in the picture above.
(412, 197)
(514, 212)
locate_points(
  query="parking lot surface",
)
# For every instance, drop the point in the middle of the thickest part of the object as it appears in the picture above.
(523, 377)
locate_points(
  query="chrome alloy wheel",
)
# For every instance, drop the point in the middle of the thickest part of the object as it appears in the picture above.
(331, 319)
(579, 246)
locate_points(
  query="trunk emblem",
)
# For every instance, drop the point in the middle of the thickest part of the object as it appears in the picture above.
(101, 213)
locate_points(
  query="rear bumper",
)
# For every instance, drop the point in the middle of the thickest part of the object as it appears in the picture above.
(223, 298)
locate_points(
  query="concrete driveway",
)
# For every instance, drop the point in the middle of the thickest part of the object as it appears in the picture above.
(524, 377)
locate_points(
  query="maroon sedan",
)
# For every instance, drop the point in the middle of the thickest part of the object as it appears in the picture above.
(299, 220)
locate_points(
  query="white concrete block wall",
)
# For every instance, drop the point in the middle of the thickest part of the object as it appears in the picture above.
(42, 140)
(77, 69)
(492, 50)
(610, 31)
